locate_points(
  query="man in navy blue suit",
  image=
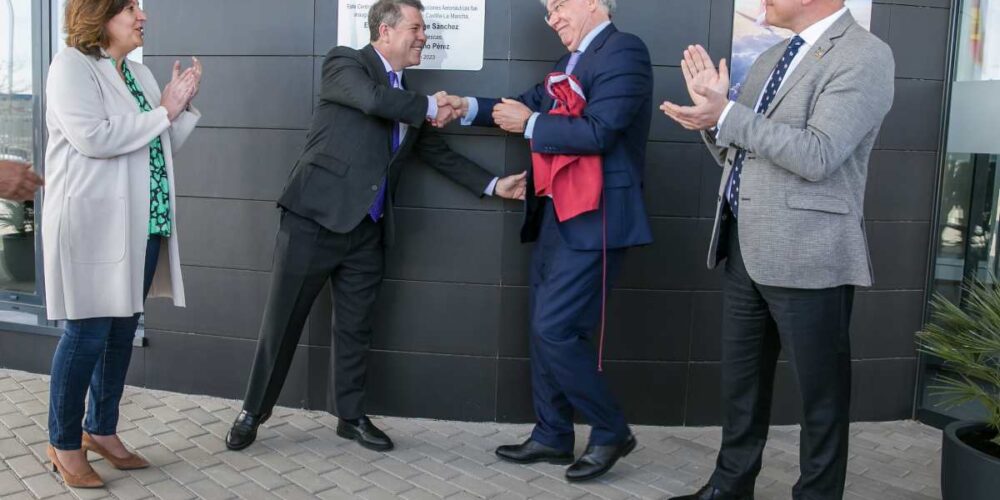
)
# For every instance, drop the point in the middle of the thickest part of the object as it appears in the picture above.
(572, 259)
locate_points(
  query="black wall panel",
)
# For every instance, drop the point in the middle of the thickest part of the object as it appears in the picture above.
(451, 327)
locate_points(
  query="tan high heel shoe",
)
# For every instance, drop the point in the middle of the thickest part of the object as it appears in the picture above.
(86, 480)
(131, 462)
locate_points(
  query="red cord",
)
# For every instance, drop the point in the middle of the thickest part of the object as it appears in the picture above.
(604, 280)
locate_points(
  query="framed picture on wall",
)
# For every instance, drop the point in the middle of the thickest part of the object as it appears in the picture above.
(752, 35)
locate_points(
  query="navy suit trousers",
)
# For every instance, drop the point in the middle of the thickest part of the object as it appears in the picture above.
(565, 309)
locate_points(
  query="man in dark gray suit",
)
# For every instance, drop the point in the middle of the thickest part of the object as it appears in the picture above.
(794, 148)
(338, 213)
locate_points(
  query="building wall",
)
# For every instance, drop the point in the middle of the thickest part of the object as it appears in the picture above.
(451, 338)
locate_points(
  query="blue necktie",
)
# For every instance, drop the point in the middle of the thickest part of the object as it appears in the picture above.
(733, 189)
(378, 206)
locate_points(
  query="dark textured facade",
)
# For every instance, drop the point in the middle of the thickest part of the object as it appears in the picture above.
(451, 336)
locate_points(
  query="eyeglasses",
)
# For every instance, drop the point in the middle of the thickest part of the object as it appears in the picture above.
(555, 10)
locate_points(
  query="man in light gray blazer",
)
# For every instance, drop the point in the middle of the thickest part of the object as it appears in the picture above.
(794, 148)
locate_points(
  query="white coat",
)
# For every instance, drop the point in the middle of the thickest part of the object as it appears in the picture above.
(95, 217)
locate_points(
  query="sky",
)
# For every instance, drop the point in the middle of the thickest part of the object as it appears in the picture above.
(22, 45)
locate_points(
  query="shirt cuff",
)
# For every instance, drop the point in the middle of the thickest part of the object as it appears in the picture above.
(491, 187)
(529, 128)
(470, 116)
(722, 117)
(432, 107)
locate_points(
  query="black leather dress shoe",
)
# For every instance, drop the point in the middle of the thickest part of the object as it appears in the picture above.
(531, 452)
(596, 460)
(244, 430)
(709, 492)
(365, 433)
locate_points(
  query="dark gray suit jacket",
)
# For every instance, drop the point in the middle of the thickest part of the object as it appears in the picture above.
(349, 147)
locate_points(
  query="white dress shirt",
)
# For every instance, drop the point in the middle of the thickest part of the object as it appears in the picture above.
(432, 111)
(810, 35)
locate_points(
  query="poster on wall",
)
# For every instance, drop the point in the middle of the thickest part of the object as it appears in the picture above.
(752, 35)
(987, 45)
(455, 31)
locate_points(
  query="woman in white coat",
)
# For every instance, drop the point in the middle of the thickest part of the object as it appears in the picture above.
(109, 232)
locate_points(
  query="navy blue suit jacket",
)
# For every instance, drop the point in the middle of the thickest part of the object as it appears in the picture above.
(617, 79)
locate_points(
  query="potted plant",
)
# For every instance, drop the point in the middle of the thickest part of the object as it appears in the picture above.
(18, 239)
(967, 340)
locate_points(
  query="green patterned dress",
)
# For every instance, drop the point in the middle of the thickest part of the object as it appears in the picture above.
(159, 188)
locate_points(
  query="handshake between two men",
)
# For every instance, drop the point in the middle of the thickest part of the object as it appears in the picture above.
(509, 114)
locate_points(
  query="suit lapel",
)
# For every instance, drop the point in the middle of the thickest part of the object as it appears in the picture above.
(377, 68)
(590, 55)
(108, 70)
(560, 67)
(583, 64)
(757, 77)
(810, 60)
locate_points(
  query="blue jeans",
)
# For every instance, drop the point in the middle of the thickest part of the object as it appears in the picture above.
(94, 353)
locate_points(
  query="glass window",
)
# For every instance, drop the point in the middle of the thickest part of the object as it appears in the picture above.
(979, 41)
(17, 132)
(969, 210)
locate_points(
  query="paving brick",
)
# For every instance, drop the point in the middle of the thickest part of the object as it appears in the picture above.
(278, 463)
(10, 448)
(128, 489)
(225, 475)
(558, 488)
(315, 463)
(149, 475)
(293, 492)
(170, 490)
(31, 435)
(174, 441)
(337, 494)
(15, 420)
(418, 494)
(26, 466)
(376, 493)
(199, 458)
(347, 481)
(252, 491)
(9, 484)
(309, 481)
(188, 429)
(44, 485)
(513, 485)
(183, 472)
(266, 478)
(299, 455)
(210, 490)
(388, 482)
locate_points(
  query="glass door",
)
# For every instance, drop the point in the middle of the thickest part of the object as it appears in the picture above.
(20, 113)
(969, 192)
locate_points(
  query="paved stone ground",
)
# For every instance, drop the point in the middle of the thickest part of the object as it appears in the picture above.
(298, 455)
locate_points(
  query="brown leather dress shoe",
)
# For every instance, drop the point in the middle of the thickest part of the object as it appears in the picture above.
(86, 480)
(131, 462)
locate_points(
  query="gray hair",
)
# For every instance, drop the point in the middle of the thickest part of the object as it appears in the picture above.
(609, 5)
(390, 13)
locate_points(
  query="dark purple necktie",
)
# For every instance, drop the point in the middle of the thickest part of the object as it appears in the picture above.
(733, 189)
(378, 206)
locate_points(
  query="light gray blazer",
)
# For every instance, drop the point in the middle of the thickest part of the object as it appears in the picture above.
(801, 220)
